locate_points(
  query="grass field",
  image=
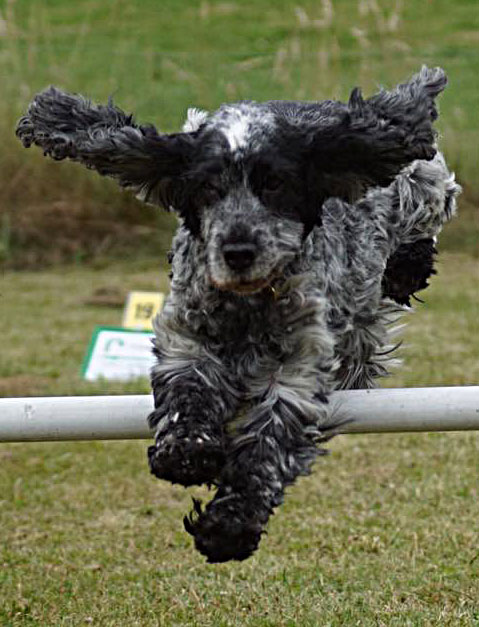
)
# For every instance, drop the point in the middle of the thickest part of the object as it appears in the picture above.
(383, 533)
(159, 58)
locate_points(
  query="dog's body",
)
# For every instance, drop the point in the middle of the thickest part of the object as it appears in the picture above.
(304, 229)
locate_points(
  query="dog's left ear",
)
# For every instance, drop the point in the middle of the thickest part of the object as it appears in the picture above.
(367, 142)
(106, 139)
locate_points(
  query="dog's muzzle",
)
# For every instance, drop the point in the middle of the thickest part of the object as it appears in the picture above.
(239, 256)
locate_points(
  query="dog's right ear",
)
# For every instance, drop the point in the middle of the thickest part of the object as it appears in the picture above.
(105, 139)
(366, 143)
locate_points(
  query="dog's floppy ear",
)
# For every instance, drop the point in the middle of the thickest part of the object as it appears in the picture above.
(367, 142)
(106, 139)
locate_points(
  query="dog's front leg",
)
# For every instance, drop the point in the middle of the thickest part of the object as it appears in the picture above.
(278, 438)
(278, 441)
(194, 395)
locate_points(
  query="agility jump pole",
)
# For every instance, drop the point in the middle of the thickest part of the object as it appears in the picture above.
(124, 417)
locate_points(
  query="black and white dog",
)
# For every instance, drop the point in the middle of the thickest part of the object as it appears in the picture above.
(304, 229)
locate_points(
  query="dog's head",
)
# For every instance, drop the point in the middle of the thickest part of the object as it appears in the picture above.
(245, 195)
(250, 179)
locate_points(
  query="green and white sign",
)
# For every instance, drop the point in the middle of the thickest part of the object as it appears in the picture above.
(118, 353)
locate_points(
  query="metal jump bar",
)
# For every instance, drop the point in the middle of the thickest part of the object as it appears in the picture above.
(124, 417)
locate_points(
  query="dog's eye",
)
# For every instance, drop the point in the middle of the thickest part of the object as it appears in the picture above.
(210, 193)
(272, 183)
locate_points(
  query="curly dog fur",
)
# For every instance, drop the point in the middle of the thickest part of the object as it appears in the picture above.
(304, 230)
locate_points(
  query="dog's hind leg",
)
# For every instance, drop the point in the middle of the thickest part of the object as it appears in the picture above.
(412, 212)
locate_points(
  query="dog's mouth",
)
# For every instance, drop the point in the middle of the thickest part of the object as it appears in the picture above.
(243, 287)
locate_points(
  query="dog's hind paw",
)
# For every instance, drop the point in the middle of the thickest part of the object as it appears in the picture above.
(223, 531)
(192, 459)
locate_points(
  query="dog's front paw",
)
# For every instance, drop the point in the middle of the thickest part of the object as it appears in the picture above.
(188, 461)
(186, 454)
(224, 530)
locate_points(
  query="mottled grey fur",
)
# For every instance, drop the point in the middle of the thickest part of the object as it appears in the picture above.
(284, 273)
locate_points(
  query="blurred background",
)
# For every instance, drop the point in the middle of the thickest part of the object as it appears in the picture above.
(157, 58)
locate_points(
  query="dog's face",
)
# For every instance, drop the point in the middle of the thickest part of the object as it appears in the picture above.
(249, 238)
(245, 196)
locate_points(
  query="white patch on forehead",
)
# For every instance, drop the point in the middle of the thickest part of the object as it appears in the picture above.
(237, 130)
(194, 119)
(245, 126)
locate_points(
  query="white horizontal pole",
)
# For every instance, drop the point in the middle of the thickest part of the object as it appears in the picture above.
(124, 417)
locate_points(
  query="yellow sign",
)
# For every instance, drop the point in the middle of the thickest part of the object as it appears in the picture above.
(141, 308)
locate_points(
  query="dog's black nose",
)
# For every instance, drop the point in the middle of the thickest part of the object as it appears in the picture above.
(239, 256)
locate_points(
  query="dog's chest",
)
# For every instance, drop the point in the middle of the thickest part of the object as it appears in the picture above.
(235, 322)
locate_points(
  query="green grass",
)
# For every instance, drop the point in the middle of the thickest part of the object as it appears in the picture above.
(383, 533)
(159, 58)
